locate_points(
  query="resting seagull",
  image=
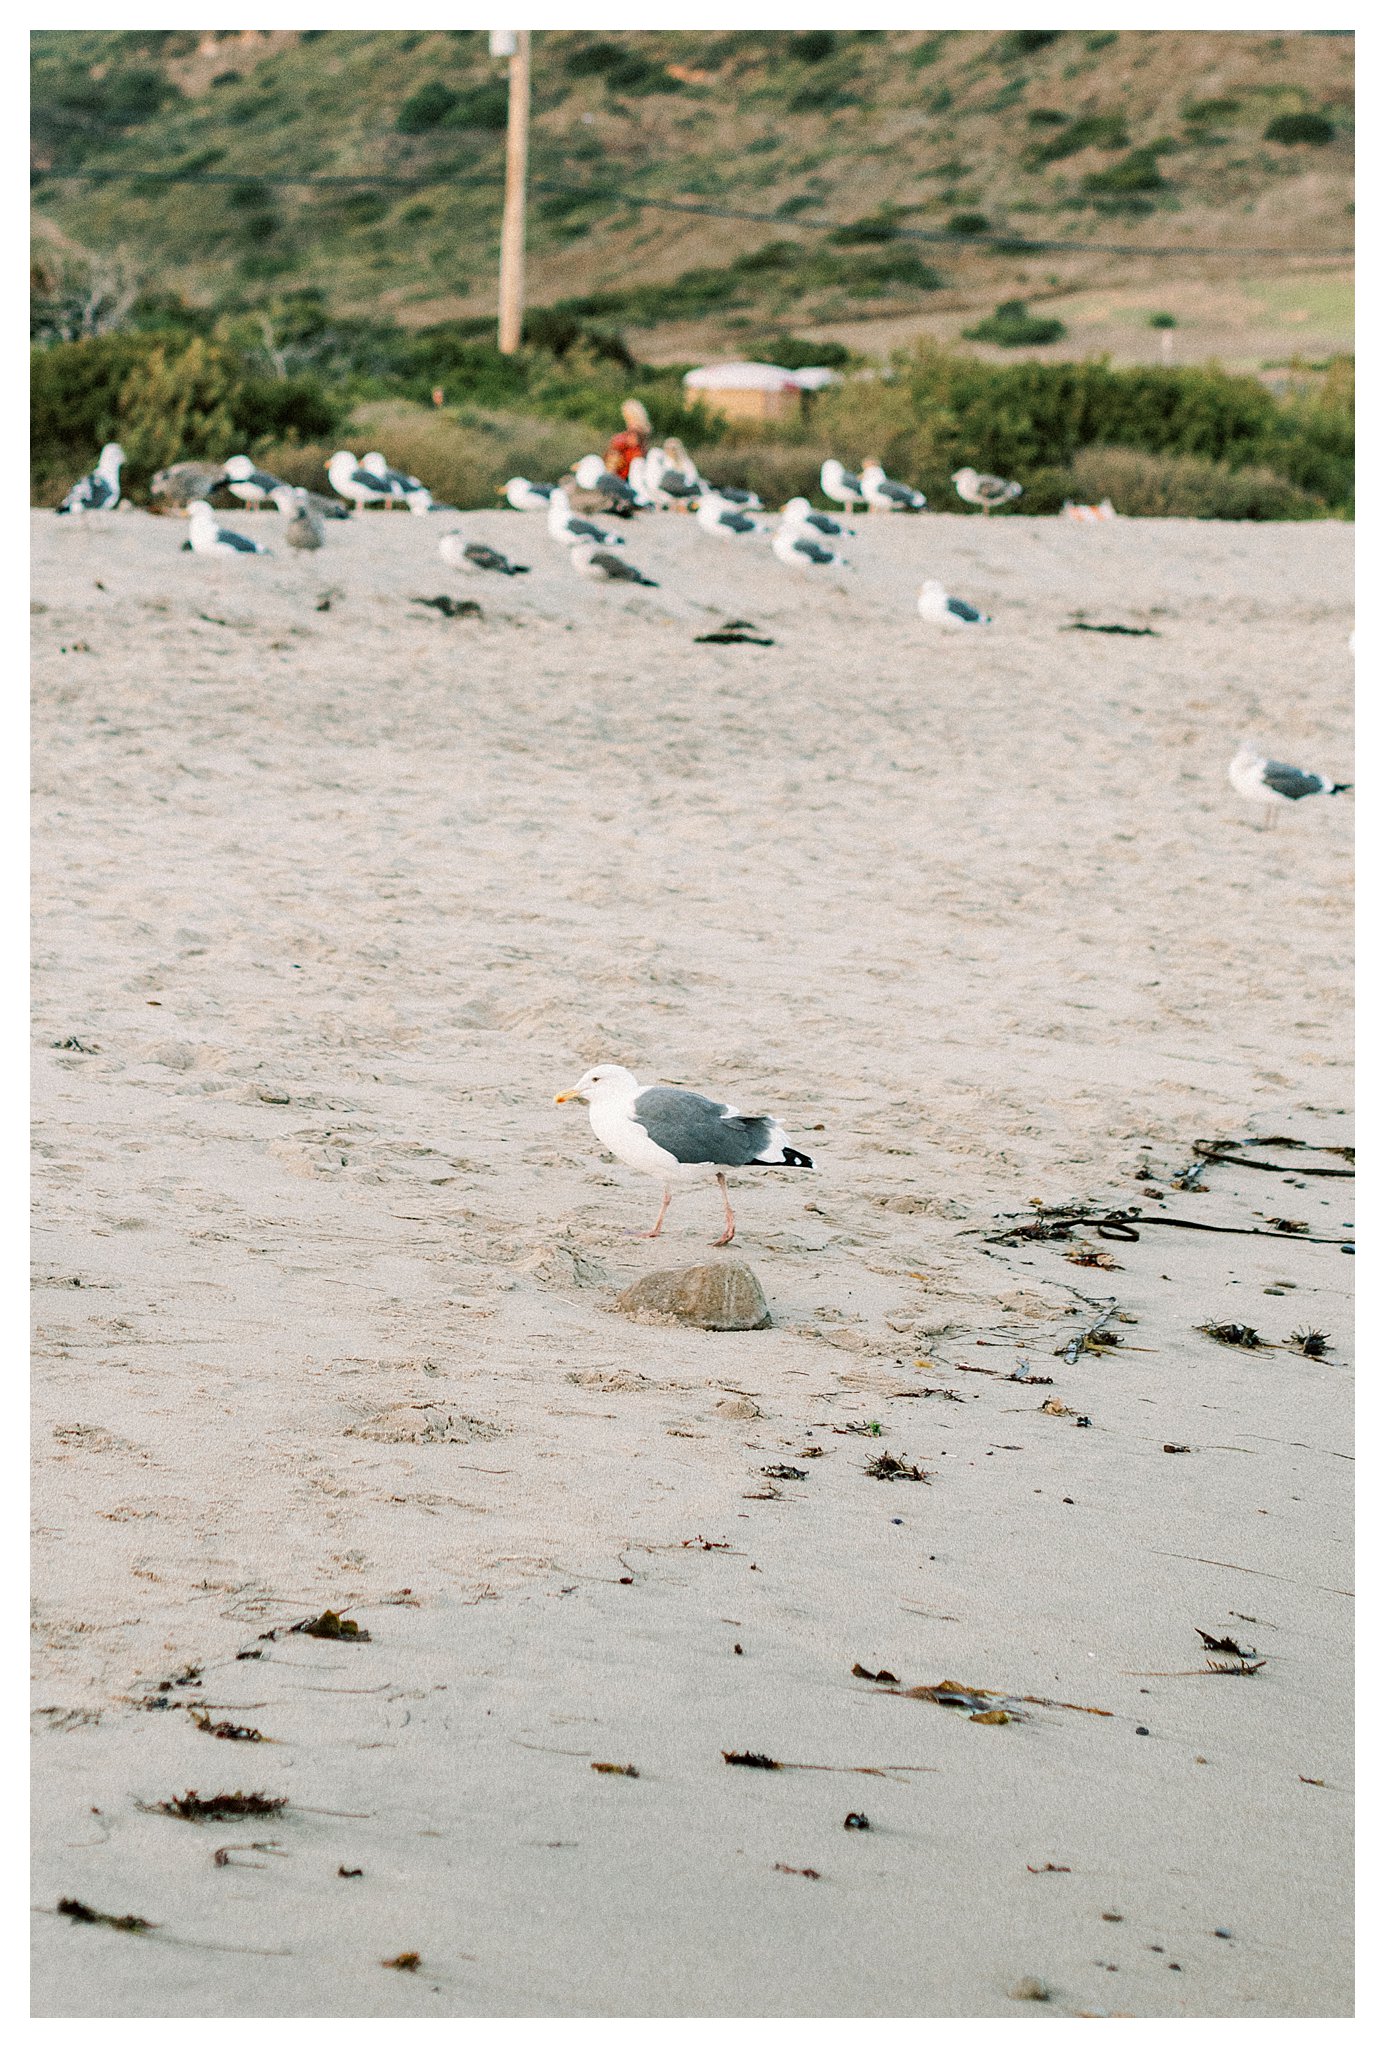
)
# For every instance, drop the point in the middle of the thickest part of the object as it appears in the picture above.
(732, 522)
(350, 479)
(840, 484)
(460, 553)
(525, 496)
(941, 610)
(99, 490)
(1272, 783)
(205, 537)
(602, 567)
(662, 482)
(567, 527)
(801, 551)
(305, 529)
(799, 514)
(678, 1136)
(593, 475)
(985, 491)
(252, 486)
(883, 494)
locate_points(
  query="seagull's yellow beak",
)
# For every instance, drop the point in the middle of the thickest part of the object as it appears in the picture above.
(568, 1095)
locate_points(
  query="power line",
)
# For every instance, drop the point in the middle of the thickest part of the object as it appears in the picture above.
(940, 238)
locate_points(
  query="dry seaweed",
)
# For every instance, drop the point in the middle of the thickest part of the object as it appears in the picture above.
(752, 1759)
(887, 1466)
(782, 1472)
(857, 1822)
(125, 1923)
(451, 607)
(875, 1677)
(408, 1959)
(1041, 1869)
(793, 1870)
(1240, 1335)
(1226, 1646)
(219, 1806)
(225, 1731)
(334, 1627)
(617, 1770)
(1312, 1343)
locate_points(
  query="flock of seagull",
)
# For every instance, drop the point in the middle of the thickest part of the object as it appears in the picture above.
(664, 479)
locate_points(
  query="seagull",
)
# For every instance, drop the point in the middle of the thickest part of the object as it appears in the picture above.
(602, 567)
(526, 497)
(941, 610)
(99, 490)
(205, 537)
(252, 486)
(1272, 783)
(985, 491)
(460, 553)
(181, 482)
(882, 494)
(593, 475)
(350, 479)
(677, 1135)
(304, 529)
(679, 467)
(661, 482)
(399, 485)
(718, 515)
(798, 513)
(565, 526)
(801, 551)
(840, 484)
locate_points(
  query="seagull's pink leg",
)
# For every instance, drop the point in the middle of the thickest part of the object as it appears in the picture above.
(730, 1230)
(659, 1219)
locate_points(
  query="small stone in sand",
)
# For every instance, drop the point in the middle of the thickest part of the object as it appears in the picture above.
(725, 1296)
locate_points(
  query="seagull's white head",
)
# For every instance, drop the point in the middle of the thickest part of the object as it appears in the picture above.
(238, 466)
(607, 1079)
(198, 508)
(964, 476)
(344, 455)
(559, 500)
(112, 455)
(589, 472)
(796, 508)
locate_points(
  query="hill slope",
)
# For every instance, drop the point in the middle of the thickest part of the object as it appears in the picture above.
(1140, 138)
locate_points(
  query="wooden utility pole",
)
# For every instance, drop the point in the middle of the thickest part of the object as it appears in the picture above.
(512, 223)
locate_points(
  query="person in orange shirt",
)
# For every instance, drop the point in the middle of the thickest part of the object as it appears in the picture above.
(634, 440)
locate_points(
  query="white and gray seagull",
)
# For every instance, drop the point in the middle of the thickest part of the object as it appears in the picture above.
(599, 565)
(678, 1136)
(974, 488)
(565, 525)
(729, 521)
(207, 537)
(1274, 783)
(99, 489)
(953, 612)
(883, 494)
(840, 485)
(305, 529)
(593, 475)
(475, 557)
(353, 480)
(400, 487)
(252, 486)
(799, 513)
(801, 551)
(525, 496)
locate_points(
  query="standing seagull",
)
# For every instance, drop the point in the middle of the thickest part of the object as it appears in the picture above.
(353, 480)
(205, 537)
(593, 475)
(840, 484)
(460, 553)
(400, 487)
(305, 529)
(882, 494)
(252, 486)
(985, 491)
(99, 490)
(941, 610)
(1272, 783)
(565, 526)
(602, 567)
(678, 1136)
(801, 551)
(798, 513)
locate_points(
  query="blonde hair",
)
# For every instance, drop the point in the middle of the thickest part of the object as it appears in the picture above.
(635, 417)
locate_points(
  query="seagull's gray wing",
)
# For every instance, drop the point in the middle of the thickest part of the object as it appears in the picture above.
(239, 541)
(1291, 782)
(960, 609)
(810, 548)
(698, 1131)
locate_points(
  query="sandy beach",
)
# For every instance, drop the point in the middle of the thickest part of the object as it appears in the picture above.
(333, 894)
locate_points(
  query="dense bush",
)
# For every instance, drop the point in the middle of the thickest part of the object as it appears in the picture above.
(1138, 172)
(1314, 128)
(1012, 325)
(1185, 487)
(427, 108)
(1093, 131)
(623, 69)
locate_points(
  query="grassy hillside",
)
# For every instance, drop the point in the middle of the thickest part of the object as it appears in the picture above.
(1142, 138)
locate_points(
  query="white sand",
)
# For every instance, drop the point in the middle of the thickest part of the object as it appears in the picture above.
(343, 897)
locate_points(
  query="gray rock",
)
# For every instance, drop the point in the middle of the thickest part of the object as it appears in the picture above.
(726, 1296)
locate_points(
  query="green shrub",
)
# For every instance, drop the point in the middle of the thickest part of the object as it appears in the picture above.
(1021, 41)
(1046, 117)
(1211, 110)
(813, 46)
(1163, 320)
(1185, 487)
(873, 227)
(1311, 128)
(969, 224)
(1093, 131)
(1012, 325)
(623, 69)
(1138, 172)
(427, 108)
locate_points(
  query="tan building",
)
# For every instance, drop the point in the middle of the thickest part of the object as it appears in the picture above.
(754, 391)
